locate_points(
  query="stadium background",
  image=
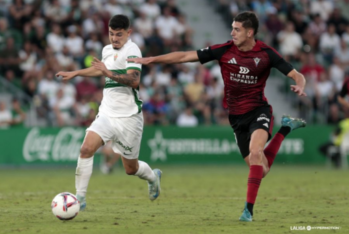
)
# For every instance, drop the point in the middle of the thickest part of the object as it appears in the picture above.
(182, 103)
(40, 38)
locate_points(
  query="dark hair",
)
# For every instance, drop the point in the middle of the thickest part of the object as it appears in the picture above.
(248, 20)
(119, 22)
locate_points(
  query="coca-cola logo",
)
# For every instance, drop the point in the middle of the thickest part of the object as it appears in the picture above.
(63, 146)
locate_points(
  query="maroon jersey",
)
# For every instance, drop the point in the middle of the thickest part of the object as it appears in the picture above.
(244, 73)
(345, 88)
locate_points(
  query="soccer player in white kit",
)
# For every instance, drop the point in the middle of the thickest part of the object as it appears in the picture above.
(120, 117)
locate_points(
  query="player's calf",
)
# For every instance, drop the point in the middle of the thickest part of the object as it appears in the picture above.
(266, 169)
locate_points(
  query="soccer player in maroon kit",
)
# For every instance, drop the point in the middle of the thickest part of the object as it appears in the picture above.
(245, 65)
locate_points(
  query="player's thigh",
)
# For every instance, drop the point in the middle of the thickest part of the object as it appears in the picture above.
(258, 140)
(99, 133)
(102, 126)
(91, 143)
(260, 124)
(257, 143)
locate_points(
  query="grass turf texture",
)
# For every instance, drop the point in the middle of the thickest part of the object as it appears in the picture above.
(194, 199)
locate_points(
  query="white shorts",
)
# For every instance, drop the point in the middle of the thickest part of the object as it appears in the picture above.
(125, 133)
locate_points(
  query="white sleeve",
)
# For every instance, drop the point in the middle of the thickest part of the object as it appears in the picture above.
(133, 52)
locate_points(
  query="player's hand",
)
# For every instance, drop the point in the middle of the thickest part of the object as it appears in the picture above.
(100, 66)
(145, 61)
(298, 90)
(66, 75)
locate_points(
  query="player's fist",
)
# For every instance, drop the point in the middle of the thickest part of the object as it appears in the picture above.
(66, 75)
(98, 65)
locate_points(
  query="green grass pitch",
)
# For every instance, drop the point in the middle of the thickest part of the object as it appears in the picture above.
(195, 199)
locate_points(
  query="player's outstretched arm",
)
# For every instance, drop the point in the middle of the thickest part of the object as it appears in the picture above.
(91, 71)
(131, 79)
(174, 57)
(300, 82)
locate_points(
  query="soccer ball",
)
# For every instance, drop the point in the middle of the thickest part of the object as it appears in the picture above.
(65, 206)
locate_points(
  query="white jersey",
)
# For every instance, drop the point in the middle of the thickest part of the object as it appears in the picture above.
(120, 100)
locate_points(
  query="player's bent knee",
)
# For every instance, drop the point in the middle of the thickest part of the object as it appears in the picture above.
(131, 171)
(256, 156)
(86, 151)
(256, 152)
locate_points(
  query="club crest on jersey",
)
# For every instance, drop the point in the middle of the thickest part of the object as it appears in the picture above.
(256, 61)
(115, 56)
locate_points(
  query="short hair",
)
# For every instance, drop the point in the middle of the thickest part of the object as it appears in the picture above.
(119, 22)
(248, 20)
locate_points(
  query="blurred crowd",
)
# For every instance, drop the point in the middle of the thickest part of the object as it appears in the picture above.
(41, 37)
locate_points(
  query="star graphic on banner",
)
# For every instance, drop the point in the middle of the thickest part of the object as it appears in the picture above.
(158, 147)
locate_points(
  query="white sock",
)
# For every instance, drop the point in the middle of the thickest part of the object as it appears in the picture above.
(82, 175)
(145, 172)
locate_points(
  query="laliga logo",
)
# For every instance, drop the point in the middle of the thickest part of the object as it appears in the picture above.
(244, 70)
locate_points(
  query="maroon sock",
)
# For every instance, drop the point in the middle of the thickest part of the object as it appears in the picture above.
(254, 180)
(273, 147)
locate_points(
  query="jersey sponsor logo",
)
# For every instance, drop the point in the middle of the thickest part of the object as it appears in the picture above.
(266, 124)
(232, 61)
(263, 118)
(247, 79)
(256, 61)
(244, 70)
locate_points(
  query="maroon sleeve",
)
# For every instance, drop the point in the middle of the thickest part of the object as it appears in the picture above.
(214, 52)
(344, 90)
(278, 62)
